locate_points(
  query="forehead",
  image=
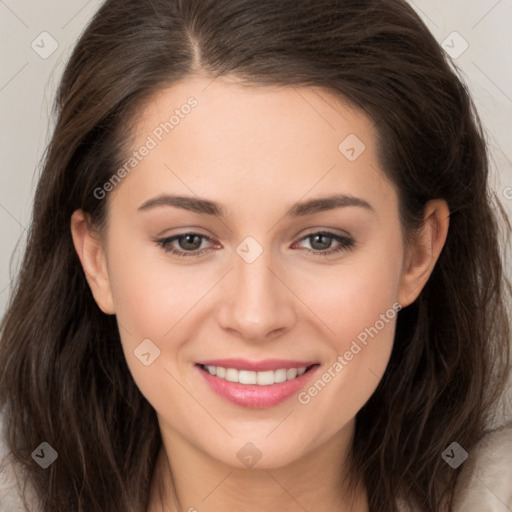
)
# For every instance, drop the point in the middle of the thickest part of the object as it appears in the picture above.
(207, 136)
(254, 109)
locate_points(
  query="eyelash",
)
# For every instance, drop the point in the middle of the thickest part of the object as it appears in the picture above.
(345, 244)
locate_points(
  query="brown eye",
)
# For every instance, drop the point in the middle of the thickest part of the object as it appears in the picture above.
(189, 244)
(322, 241)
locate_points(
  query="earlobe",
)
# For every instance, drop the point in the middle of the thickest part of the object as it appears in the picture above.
(423, 253)
(91, 253)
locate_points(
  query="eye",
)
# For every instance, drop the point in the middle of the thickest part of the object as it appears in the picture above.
(189, 244)
(321, 243)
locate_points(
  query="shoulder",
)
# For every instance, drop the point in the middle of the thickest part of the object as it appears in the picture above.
(485, 483)
(11, 482)
(10, 491)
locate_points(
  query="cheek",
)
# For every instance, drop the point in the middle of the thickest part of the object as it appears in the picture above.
(155, 300)
(354, 296)
(358, 304)
(149, 303)
(150, 294)
(365, 315)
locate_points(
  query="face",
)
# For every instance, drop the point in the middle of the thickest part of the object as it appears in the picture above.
(254, 260)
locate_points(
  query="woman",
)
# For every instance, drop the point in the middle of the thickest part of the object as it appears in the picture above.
(263, 271)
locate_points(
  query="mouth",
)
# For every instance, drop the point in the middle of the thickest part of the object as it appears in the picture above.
(256, 385)
(258, 378)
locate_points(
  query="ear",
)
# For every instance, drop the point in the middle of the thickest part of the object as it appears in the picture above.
(423, 251)
(90, 250)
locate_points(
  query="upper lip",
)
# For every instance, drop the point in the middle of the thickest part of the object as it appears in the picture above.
(256, 366)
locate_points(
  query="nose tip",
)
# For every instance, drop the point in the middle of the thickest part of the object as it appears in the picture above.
(257, 306)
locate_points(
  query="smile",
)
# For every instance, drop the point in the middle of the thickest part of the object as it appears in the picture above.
(264, 378)
(256, 384)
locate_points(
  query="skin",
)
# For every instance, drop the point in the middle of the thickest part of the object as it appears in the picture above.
(257, 151)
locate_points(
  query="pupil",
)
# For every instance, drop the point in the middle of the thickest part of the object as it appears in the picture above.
(325, 244)
(186, 242)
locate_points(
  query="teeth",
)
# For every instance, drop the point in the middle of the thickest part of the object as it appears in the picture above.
(266, 378)
(231, 375)
(279, 376)
(247, 377)
(291, 373)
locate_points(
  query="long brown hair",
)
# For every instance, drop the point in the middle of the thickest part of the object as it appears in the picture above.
(63, 376)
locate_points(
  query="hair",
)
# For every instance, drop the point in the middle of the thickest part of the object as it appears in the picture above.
(63, 375)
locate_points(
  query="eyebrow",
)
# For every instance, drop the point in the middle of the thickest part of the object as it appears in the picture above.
(208, 207)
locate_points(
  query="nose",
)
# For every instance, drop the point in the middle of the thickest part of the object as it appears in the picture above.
(257, 306)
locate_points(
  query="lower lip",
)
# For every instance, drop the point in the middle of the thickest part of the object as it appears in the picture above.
(250, 395)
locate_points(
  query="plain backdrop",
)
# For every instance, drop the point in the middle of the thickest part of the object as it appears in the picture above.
(37, 36)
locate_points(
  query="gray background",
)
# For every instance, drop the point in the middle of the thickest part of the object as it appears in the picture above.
(28, 82)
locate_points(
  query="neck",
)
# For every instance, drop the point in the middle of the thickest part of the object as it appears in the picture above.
(190, 481)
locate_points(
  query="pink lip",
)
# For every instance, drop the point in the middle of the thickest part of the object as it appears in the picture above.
(256, 366)
(250, 395)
